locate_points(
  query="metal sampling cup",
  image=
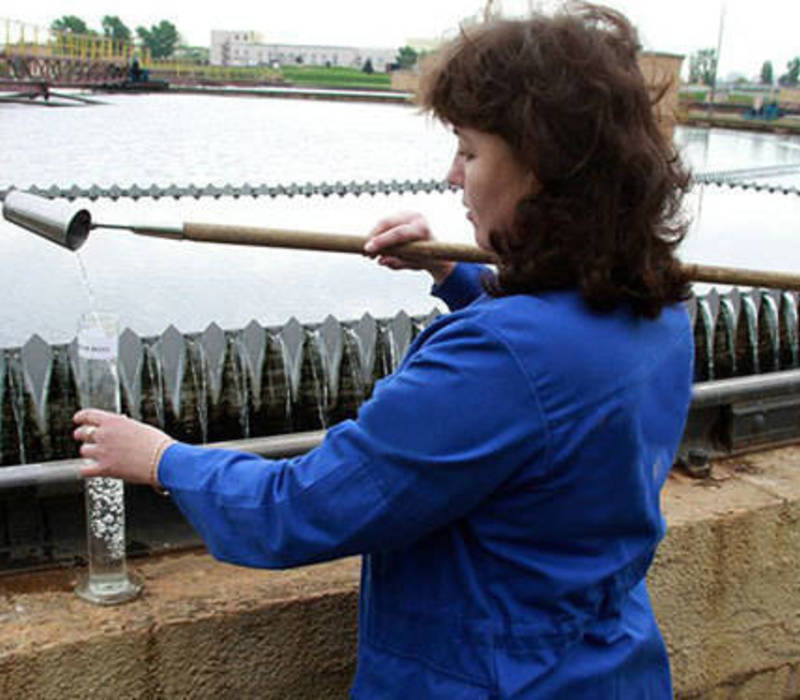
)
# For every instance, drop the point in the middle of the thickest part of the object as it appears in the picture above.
(58, 221)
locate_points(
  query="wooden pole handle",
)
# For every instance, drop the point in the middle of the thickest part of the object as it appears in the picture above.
(438, 250)
(741, 276)
(330, 242)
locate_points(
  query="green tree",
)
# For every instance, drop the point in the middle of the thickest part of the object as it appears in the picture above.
(115, 29)
(767, 74)
(161, 38)
(703, 66)
(70, 23)
(367, 68)
(792, 75)
(406, 58)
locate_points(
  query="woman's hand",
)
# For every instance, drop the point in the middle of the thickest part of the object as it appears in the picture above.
(120, 447)
(404, 227)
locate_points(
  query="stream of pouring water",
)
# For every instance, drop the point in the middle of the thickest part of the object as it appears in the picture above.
(86, 284)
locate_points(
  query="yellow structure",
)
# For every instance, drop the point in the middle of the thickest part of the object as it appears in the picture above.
(20, 39)
(24, 39)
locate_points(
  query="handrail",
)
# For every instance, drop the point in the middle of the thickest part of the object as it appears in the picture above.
(728, 178)
(68, 470)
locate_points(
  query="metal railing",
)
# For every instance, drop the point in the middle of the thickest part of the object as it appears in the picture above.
(25, 39)
(68, 470)
(729, 178)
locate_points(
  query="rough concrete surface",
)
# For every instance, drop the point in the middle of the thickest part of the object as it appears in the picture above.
(201, 629)
(724, 586)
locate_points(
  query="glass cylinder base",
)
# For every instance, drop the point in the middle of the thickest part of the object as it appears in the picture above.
(111, 591)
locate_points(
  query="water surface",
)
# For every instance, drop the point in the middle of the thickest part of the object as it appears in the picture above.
(183, 139)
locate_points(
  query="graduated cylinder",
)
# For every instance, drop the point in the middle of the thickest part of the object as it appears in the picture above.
(107, 581)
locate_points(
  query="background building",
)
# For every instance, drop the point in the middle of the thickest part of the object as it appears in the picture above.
(245, 48)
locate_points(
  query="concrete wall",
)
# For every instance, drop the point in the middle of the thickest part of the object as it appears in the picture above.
(725, 583)
(405, 80)
(725, 587)
(789, 97)
(662, 71)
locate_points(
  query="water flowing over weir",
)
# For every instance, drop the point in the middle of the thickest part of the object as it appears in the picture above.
(220, 385)
(738, 334)
(205, 387)
(229, 384)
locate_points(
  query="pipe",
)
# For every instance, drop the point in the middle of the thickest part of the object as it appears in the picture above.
(757, 386)
(70, 228)
(39, 474)
(68, 470)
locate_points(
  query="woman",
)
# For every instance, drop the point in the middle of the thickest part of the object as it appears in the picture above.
(503, 484)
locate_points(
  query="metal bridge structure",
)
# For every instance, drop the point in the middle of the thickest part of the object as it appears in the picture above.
(33, 58)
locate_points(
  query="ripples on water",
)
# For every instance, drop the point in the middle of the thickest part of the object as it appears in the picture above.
(166, 139)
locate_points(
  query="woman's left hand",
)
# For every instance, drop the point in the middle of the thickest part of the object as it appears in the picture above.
(120, 447)
(404, 227)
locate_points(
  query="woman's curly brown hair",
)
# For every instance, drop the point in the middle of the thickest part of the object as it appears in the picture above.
(566, 93)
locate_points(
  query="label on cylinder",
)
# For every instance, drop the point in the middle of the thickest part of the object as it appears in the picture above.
(97, 346)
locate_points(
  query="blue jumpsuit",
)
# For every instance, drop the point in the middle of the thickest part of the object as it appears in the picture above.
(503, 486)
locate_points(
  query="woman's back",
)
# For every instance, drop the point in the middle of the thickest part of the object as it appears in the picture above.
(553, 556)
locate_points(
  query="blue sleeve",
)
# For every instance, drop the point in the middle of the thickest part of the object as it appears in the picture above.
(462, 286)
(436, 438)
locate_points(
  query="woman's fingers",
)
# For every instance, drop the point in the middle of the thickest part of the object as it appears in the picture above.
(120, 447)
(89, 451)
(404, 233)
(394, 263)
(393, 220)
(91, 469)
(85, 433)
(390, 262)
(92, 416)
(404, 227)
(395, 230)
(400, 228)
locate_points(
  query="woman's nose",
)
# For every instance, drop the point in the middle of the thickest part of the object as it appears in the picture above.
(455, 176)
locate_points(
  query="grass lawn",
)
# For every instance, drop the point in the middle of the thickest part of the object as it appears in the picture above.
(336, 77)
(784, 125)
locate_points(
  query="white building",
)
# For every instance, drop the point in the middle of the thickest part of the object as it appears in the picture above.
(244, 48)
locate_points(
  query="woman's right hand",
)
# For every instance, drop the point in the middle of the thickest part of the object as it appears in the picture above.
(119, 447)
(404, 227)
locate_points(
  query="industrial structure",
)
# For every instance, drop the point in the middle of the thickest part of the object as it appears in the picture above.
(36, 55)
(246, 48)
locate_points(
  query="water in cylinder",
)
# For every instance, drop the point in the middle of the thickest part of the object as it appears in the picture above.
(108, 580)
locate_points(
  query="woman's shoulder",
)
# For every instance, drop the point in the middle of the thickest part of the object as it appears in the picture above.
(557, 334)
(521, 314)
(549, 320)
(507, 328)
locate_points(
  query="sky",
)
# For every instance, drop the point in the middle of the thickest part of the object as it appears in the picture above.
(753, 31)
